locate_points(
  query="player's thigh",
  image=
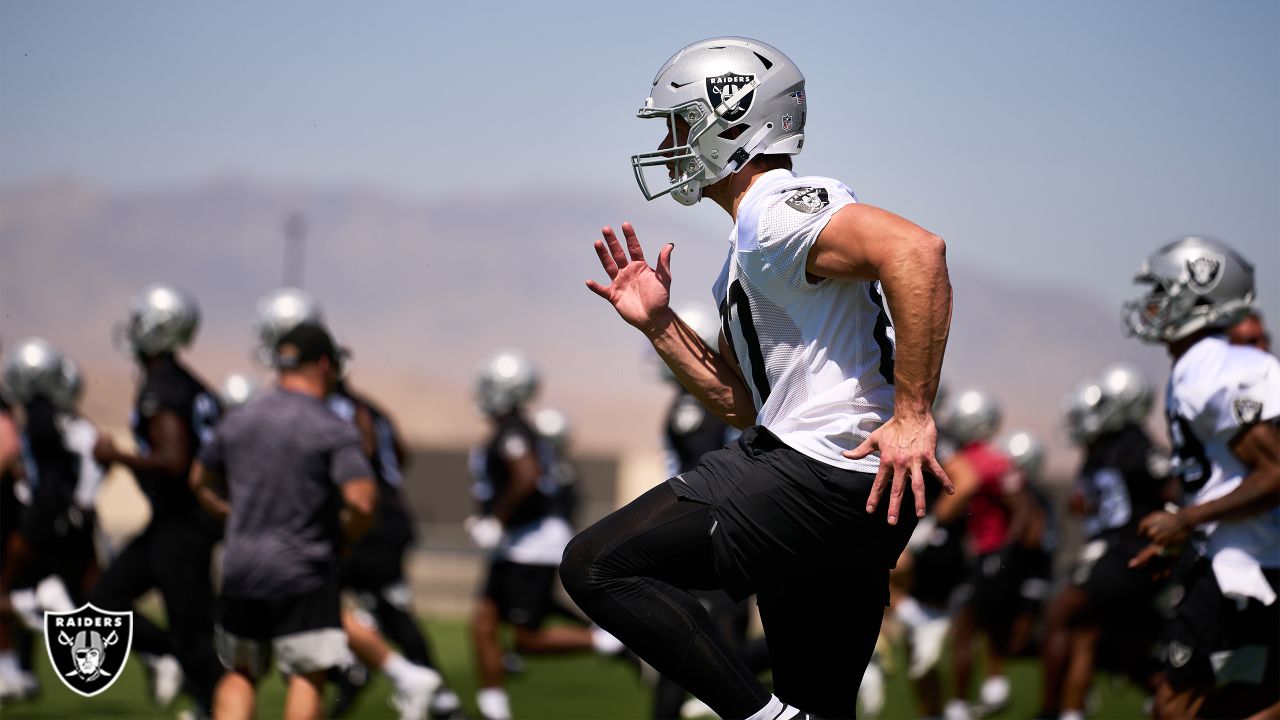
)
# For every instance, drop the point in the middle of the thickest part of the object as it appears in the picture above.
(821, 631)
(182, 566)
(127, 577)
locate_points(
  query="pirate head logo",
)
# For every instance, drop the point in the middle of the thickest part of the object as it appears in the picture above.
(808, 200)
(88, 647)
(1205, 272)
(1179, 654)
(725, 89)
(1247, 410)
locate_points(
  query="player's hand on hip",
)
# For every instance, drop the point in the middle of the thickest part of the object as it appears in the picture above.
(638, 292)
(906, 444)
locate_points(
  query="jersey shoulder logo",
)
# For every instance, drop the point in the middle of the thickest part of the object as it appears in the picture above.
(809, 200)
(722, 88)
(88, 647)
(1247, 410)
(1205, 272)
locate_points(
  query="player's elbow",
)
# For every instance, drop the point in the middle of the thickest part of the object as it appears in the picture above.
(932, 247)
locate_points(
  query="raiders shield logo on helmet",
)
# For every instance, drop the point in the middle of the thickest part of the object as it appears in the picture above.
(809, 200)
(88, 647)
(1205, 272)
(722, 88)
(1179, 654)
(1247, 410)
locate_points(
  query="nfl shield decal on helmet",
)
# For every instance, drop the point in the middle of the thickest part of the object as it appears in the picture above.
(722, 89)
(88, 647)
(808, 200)
(1205, 272)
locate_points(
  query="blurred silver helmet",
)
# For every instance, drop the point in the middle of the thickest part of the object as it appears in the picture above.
(1196, 283)
(162, 318)
(1026, 452)
(703, 320)
(740, 97)
(36, 368)
(279, 311)
(237, 390)
(1119, 396)
(553, 427)
(970, 416)
(505, 381)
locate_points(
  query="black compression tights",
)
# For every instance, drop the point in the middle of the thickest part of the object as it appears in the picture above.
(629, 573)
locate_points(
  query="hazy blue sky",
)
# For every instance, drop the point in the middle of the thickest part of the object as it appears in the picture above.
(1057, 142)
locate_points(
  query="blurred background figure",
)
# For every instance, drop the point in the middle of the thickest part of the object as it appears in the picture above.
(236, 390)
(523, 523)
(1251, 331)
(50, 561)
(174, 414)
(1105, 616)
(1031, 555)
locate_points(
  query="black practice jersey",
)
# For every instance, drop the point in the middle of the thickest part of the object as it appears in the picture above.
(170, 386)
(691, 432)
(490, 468)
(1122, 480)
(393, 523)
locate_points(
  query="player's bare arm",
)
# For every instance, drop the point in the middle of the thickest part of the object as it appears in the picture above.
(210, 489)
(640, 294)
(1258, 448)
(359, 499)
(170, 449)
(524, 482)
(863, 243)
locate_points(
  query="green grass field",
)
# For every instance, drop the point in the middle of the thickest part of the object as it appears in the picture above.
(551, 687)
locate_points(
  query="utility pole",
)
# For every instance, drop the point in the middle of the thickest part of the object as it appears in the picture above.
(295, 249)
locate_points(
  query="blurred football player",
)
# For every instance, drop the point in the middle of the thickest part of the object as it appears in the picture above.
(1000, 514)
(1105, 615)
(1223, 408)
(1032, 555)
(175, 412)
(1251, 331)
(524, 525)
(236, 390)
(807, 363)
(291, 481)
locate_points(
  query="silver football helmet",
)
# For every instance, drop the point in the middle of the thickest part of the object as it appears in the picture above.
(1196, 283)
(36, 368)
(505, 382)
(971, 416)
(553, 427)
(279, 311)
(237, 390)
(162, 318)
(1026, 452)
(702, 319)
(1119, 396)
(740, 98)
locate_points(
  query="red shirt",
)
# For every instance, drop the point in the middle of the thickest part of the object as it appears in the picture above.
(988, 513)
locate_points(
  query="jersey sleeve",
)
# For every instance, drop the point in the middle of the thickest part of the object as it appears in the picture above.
(1253, 397)
(790, 223)
(347, 459)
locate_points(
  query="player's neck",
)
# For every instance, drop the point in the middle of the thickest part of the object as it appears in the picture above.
(1178, 348)
(303, 384)
(728, 193)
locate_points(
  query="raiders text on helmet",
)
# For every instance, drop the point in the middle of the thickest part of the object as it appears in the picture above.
(505, 381)
(279, 311)
(36, 368)
(1196, 283)
(740, 98)
(162, 318)
(971, 416)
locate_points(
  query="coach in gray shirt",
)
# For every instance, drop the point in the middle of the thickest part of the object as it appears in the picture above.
(292, 482)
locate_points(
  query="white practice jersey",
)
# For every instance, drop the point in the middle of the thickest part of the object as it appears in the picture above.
(818, 357)
(1216, 390)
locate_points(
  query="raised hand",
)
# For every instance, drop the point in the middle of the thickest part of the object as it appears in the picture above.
(638, 292)
(906, 444)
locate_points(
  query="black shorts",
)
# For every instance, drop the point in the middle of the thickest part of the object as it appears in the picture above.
(521, 592)
(305, 631)
(939, 570)
(1032, 570)
(1213, 641)
(995, 592)
(777, 514)
(1117, 594)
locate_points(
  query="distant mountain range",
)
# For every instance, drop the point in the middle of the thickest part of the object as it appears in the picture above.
(423, 290)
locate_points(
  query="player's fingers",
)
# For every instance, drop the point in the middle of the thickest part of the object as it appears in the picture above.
(867, 447)
(1145, 555)
(895, 492)
(615, 248)
(606, 260)
(633, 243)
(598, 289)
(941, 474)
(917, 487)
(877, 486)
(663, 269)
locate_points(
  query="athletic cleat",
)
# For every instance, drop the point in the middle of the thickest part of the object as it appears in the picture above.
(413, 699)
(927, 641)
(164, 678)
(994, 696)
(871, 693)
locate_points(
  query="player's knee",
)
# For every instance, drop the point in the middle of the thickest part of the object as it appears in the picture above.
(575, 567)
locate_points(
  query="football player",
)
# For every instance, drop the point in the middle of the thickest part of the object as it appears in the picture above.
(1103, 617)
(1251, 331)
(1033, 555)
(1223, 408)
(173, 415)
(1000, 515)
(807, 364)
(524, 524)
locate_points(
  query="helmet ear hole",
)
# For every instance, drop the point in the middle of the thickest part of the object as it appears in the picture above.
(734, 132)
(764, 60)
